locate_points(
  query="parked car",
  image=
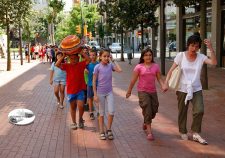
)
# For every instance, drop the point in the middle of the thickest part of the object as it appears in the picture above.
(172, 46)
(93, 44)
(115, 47)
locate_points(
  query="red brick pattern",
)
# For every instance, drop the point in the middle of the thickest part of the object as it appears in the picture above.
(50, 135)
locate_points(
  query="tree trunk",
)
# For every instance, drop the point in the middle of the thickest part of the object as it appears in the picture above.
(154, 42)
(122, 57)
(142, 36)
(133, 42)
(162, 37)
(28, 52)
(20, 45)
(52, 33)
(204, 75)
(8, 47)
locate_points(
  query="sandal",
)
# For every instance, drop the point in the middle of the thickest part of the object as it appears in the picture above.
(102, 136)
(198, 138)
(150, 137)
(110, 134)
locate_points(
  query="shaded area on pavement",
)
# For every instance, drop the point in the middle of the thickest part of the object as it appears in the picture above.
(50, 134)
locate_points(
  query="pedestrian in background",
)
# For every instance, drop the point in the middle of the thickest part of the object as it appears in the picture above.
(75, 85)
(89, 70)
(103, 90)
(190, 88)
(58, 77)
(146, 72)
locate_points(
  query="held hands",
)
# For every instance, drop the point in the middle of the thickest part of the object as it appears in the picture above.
(165, 87)
(96, 99)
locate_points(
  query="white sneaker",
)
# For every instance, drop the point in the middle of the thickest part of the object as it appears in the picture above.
(184, 136)
(198, 138)
(73, 126)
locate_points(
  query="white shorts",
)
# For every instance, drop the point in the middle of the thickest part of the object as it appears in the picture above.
(103, 98)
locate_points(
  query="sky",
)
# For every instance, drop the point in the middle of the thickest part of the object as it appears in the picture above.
(68, 5)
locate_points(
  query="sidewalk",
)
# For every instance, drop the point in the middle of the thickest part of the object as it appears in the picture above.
(17, 69)
(50, 135)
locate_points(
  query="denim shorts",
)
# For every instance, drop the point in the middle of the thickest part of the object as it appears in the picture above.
(77, 96)
(90, 93)
(59, 82)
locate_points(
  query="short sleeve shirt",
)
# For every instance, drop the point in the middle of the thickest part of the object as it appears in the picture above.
(59, 75)
(90, 68)
(191, 71)
(147, 77)
(74, 77)
(104, 77)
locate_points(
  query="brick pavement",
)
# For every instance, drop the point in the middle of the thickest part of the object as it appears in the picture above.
(50, 135)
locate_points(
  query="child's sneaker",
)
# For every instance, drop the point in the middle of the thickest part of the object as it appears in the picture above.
(92, 116)
(110, 134)
(73, 126)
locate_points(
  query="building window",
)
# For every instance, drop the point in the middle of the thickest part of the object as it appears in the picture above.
(192, 23)
(170, 17)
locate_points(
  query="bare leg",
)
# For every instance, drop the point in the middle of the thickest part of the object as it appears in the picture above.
(73, 108)
(110, 120)
(101, 124)
(56, 91)
(62, 94)
(80, 104)
(149, 129)
(90, 104)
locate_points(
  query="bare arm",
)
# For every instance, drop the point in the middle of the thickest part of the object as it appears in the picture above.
(117, 67)
(51, 77)
(212, 60)
(132, 83)
(95, 87)
(59, 61)
(163, 87)
(86, 57)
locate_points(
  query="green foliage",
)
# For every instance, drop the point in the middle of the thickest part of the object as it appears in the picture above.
(68, 25)
(36, 22)
(56, 6)
(129, 13)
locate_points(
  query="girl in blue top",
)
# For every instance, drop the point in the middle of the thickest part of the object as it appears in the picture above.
(58, 77)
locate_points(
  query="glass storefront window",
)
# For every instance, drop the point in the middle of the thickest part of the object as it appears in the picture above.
(192, 9)
(170, 15)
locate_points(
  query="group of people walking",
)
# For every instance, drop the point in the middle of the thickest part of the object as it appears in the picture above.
(71, 73)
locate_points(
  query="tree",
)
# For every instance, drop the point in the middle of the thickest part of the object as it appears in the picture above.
(139, 12)
(10, 13)
(68, 25)
(55, 7)
(203, 6)
(23, 7)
